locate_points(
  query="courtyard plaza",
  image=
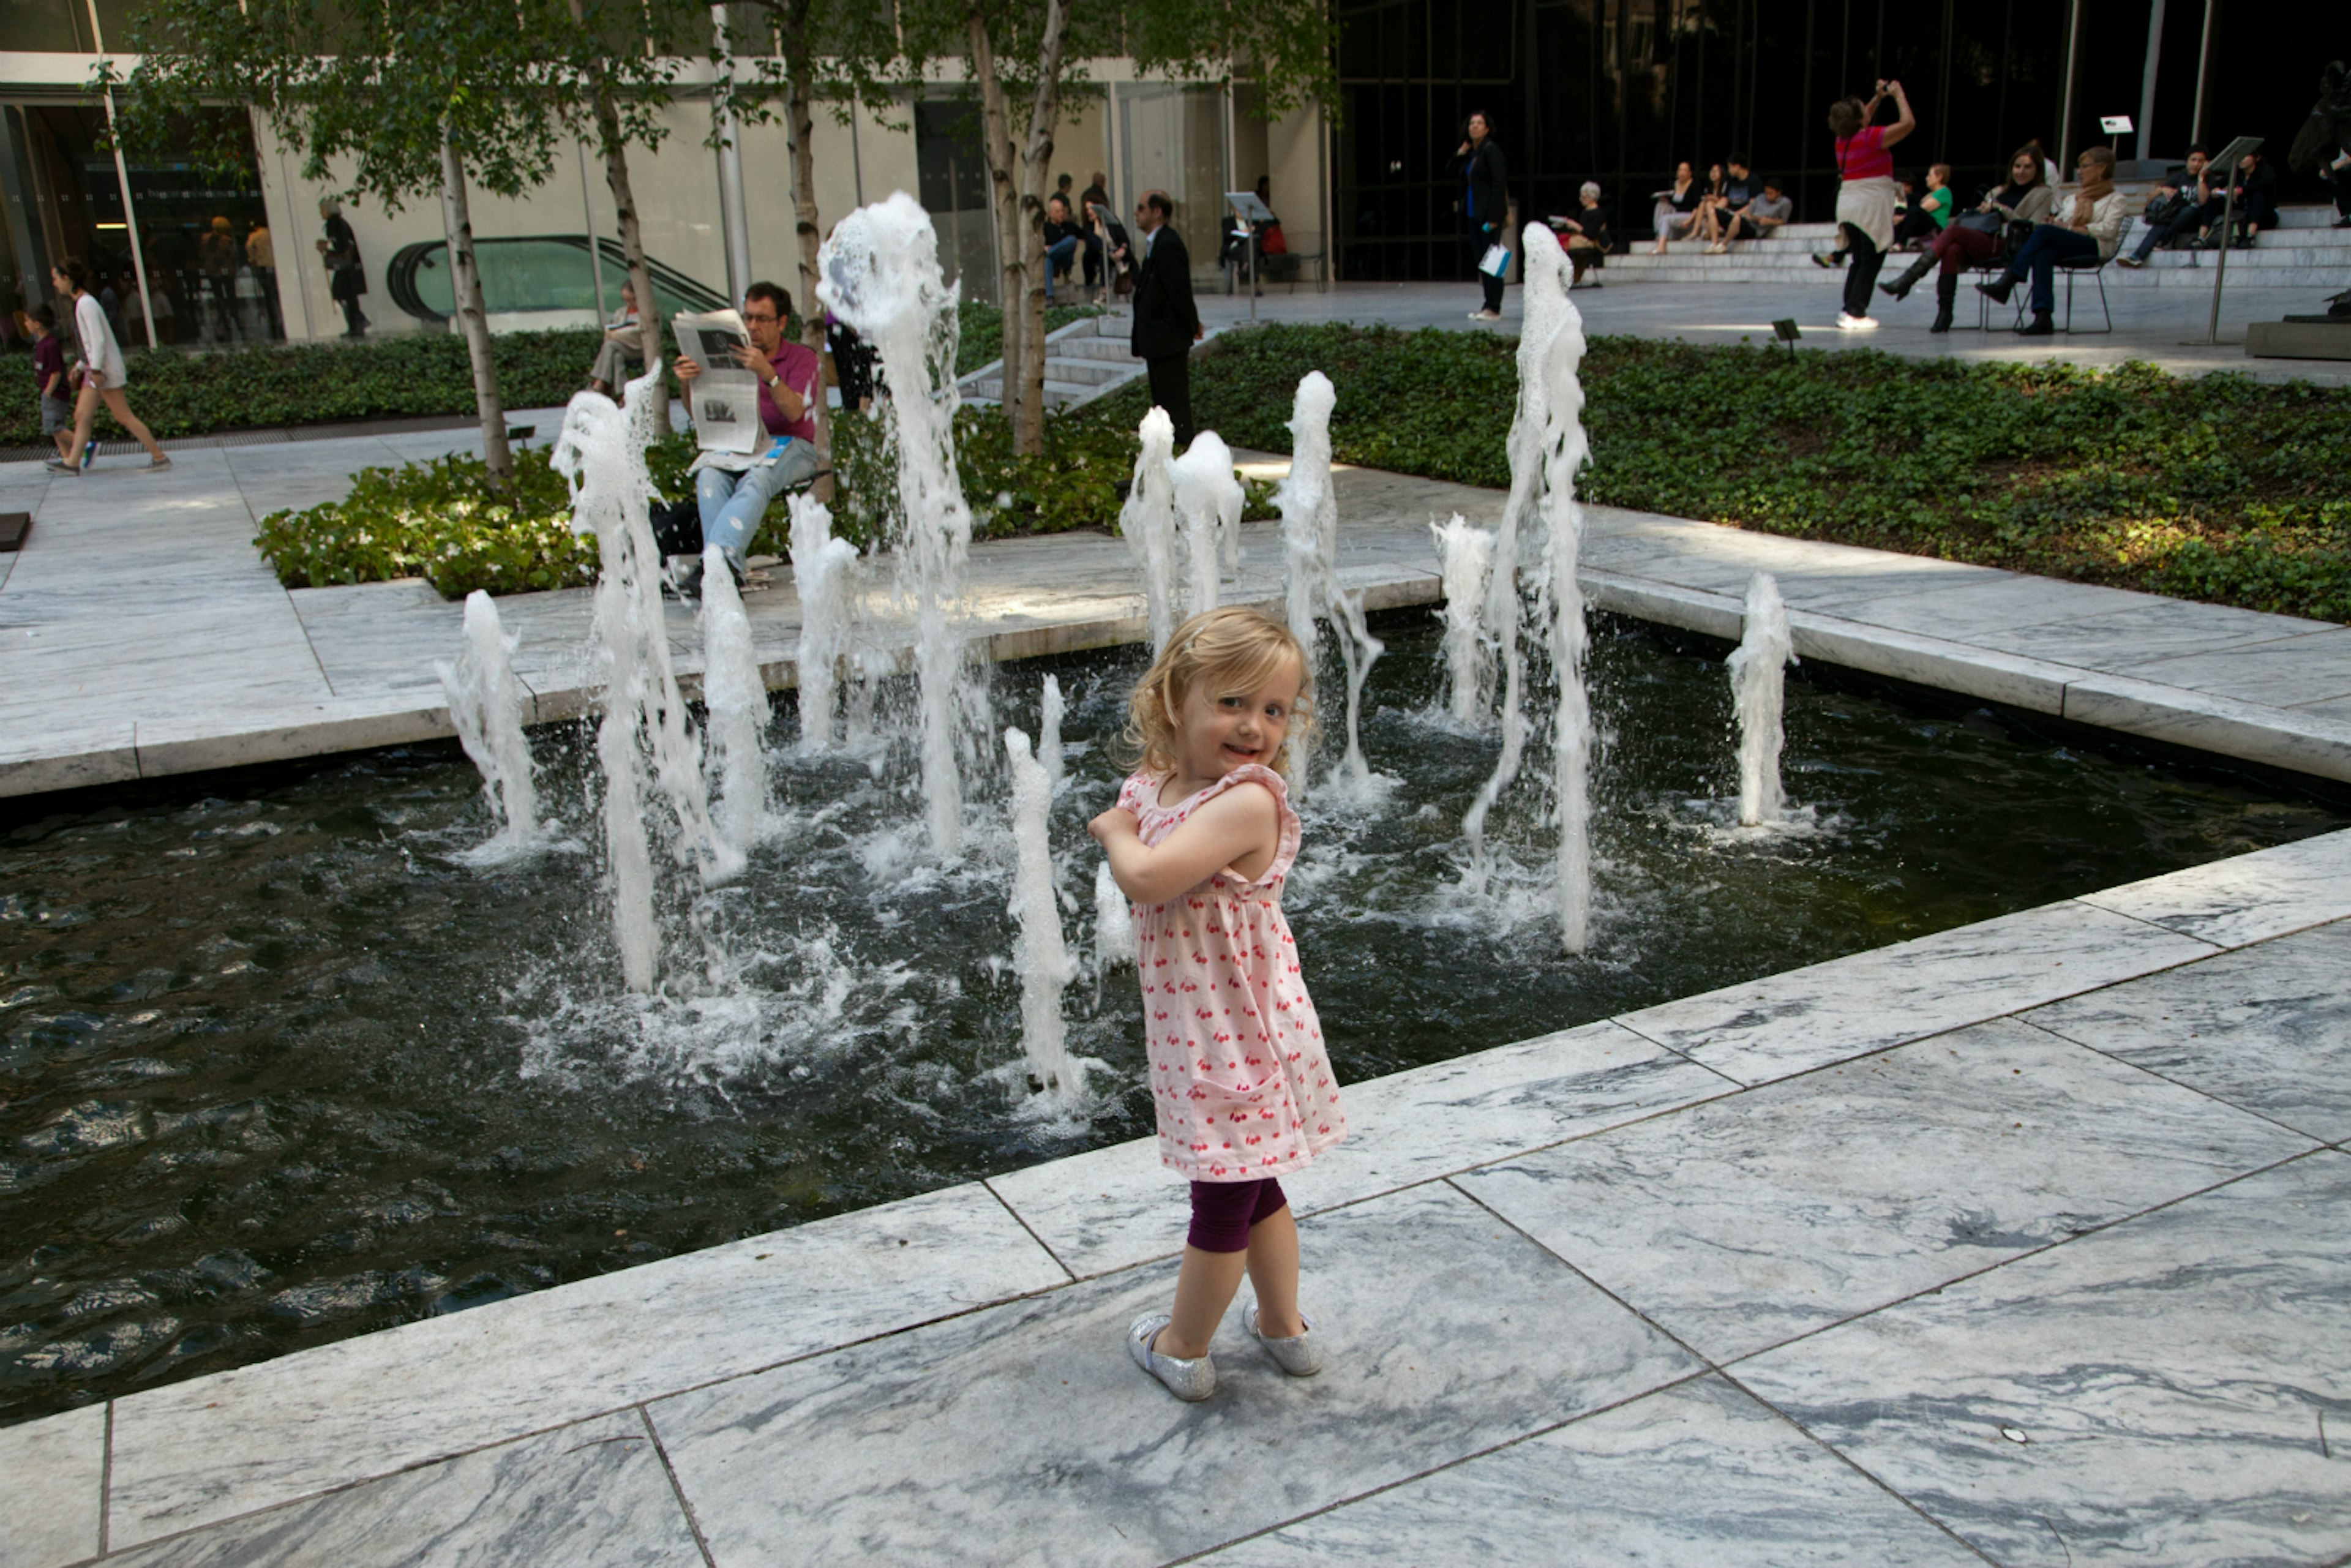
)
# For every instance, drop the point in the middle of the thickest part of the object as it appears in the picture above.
(2019, 1242)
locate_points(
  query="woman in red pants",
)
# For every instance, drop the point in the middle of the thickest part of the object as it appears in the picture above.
(1977, 237)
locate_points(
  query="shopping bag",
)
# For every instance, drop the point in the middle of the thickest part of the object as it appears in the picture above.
(1496, 262)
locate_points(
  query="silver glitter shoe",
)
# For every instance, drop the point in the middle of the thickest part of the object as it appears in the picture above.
(1189, 1380)
(1301, 1355)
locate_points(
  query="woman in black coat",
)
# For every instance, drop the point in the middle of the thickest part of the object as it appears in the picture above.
(1478, 165)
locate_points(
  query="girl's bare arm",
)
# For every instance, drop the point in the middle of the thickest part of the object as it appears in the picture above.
(1241, 828)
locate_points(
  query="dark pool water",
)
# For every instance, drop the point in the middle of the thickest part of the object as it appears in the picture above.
(275, 1069)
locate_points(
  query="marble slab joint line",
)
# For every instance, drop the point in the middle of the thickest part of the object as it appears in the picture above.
(1864, 1471)
(2026, 1019)
(1706, 1362)
(1452, 1464)
(2090, 898)
(1021, 1220)
(2067, 1239)
(106, 1479)
(685, 1505)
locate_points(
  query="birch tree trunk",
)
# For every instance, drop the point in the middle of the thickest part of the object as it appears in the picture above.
(1037, 163)
(466, 280)
(633, 234)
(1004, 205)
(801, 116)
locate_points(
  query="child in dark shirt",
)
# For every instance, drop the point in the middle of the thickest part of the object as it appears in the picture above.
(54, 386)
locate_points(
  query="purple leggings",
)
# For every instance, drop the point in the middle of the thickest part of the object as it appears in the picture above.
(1223, 1212)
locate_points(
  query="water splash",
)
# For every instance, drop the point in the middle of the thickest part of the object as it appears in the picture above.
(1038, 952)
(486, 703)
(1147, 520)
(735, 697)
(1309, 512)
(602, 456)
(1759, 695)
(823, 571)
(1210, 499)
(1468, 553)
(1547, 445)
(881, 275)
(1048, 734)
(1113, 923)
(1359, 651)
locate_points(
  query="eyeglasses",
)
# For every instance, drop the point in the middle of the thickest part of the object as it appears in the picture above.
(763, 317)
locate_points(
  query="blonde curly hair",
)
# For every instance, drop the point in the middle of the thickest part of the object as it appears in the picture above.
(1233, 650)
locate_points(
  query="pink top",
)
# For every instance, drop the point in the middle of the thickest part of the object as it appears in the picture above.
(1865, 155)
(1238, 1076)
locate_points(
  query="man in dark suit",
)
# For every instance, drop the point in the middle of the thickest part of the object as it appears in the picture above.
(1166, 322)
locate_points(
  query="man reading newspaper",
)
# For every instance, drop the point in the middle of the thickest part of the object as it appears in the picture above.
(743, 467)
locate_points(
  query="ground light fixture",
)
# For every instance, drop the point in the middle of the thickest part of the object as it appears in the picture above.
(1786, 330)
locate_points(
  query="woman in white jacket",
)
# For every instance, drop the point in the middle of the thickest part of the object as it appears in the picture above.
(2090, 225)
(103, 372)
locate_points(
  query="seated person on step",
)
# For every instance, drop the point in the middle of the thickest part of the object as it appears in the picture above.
(1737, 187)
(2186, 205)
(1065, 240)
(733, 489)
(1585, 235)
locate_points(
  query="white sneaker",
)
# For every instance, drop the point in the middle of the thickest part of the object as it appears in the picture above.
(1855, 323)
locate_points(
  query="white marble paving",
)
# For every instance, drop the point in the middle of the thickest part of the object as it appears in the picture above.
(1114, 1206)
(2127, 638)
(2244, 898)
(201, 1451)
(2150, 1394)
(2299, 739)
(590, 1496)
(1025, 1434)
(1698, 1473)
(1793, 1022)
(51, 1477)
(1743, 1223)
(2267, 1027)
(2312, 668)
(1969, 611)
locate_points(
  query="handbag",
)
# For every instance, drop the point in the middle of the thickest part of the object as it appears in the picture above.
(1496, 262)
(1982, 223)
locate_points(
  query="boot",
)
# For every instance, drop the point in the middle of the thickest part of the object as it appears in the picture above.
(1901, 287)
(1998, 288)
(2042, 327)
(1947, 291)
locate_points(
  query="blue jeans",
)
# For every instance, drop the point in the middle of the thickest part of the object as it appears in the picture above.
(1063, 253)
(2049, 246)
(733, 504)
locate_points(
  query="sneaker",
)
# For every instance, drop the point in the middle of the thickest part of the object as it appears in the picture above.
(1477, 314)
(1301, 1355)
(1717, 248)
(2132, 262)
(161, 460)
(1191, 1381)
(1848, 323)
(60, 466)
(1486, 316)
(1833, 258)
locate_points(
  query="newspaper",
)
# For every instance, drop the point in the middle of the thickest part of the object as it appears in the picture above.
(723, 400)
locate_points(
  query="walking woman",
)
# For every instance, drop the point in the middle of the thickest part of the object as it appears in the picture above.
(1478, 165)
(1975, 238)
(346, 273)
(1864, 204)
(103, 372)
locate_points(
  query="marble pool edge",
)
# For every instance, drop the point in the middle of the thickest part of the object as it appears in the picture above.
(2286, 739)
(166, 1462)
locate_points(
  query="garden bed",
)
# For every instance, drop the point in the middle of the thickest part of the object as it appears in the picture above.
(2218, 488)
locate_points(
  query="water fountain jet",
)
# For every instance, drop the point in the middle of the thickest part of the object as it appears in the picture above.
(485, 707)
(1758, 695)
(1466, 552)
(1147, 522)
(734, 698)
(821, 575)
(1210, 501)
(1039, 953)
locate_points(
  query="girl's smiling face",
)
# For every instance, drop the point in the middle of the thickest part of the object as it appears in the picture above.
(1221, 730)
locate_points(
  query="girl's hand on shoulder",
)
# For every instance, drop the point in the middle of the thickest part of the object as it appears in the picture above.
(1116, 822)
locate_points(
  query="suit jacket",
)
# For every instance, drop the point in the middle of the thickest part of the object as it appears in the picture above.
(1166, 320)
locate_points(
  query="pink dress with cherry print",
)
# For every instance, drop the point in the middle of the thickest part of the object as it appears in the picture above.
(1239, 1078)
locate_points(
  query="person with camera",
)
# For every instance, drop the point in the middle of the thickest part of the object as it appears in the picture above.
(1981, 235)
(1864, 204)
(2186, 203)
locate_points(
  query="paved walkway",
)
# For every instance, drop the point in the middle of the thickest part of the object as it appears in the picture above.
(141, 637)
(2019, 1243)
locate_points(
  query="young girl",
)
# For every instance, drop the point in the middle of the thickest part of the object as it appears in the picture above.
(1199, 841)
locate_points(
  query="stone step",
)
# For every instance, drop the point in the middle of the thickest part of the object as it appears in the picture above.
(2117, 277)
